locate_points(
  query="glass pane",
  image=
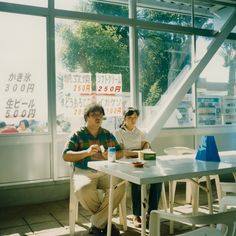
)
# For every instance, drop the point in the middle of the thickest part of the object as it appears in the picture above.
(203, 15)
(216, 88)
(38, 3)
(162, 57)
(183, 115)
(204, 22)
(92, 65)
(211, 15)
(23, 83)
(165, 12)
(202, 44)
(108, 8)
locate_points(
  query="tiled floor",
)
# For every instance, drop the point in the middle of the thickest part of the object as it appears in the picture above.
(52, 218)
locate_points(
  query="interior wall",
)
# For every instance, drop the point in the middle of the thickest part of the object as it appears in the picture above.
(35, 193)
(63, 168)
(175, 140)
(25, 162)
(224, 141)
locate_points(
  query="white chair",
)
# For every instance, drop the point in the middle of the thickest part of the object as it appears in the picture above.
(172, 184)
(74, 203)
(163, 197)
(227, 200)
(192, 186)
(226, 218)
(227, 187)
(228, 194)
(183, 151)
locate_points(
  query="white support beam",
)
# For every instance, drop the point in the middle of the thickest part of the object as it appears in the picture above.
(183, 83)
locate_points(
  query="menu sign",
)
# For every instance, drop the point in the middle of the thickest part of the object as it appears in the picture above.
(185, 109)
(229, 110)
(18, 96)
(77, 83)
(77, 93)
(108, 84)
(112, 105)
(109, 93)
(77, 89)
(209, 111)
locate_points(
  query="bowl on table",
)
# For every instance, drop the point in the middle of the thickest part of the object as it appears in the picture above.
(138, 164)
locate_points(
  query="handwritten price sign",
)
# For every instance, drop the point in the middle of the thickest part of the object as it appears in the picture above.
(111, 104)
(77, 93)
(108, 84)
(19, 96)
(74, 106)
(77, 83)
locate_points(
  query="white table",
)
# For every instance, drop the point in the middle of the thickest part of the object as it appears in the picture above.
(164, 168)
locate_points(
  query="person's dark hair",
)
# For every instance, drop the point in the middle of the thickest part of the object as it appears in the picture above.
(94, 107)
(129, 112)
(26, 123)
(3, 124)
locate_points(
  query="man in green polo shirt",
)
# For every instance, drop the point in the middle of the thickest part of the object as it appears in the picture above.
(90, 143)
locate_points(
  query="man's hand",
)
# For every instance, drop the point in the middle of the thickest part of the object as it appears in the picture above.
(96, 153)
(93, 149)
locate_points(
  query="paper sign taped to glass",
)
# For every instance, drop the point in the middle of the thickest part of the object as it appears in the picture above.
(207, 150)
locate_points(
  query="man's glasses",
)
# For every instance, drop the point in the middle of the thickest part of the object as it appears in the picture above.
(96, 115)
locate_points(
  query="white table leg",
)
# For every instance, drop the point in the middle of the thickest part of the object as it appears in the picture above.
(234, 175)
(209, 194)
(218, 187)
(110, 207)
(163, 197)
(171, 205)
(188, 191)
(143, 209)
(195, 196)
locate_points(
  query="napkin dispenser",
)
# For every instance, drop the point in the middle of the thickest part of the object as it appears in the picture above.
(147, 155)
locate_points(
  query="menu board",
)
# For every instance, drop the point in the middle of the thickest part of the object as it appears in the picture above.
(109, 93)
(111, 104)
(77, 89)
(19, 97)
(77, 83)
(108, 84)
(77, 93)
(229, 110)
(185, 108)
(183, 115)
(209, 111)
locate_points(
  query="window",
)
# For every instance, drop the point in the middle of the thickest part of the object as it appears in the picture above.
(211, 16)
(162, 57)
(92, 65)
(23, 82)
(39, 3)
(165, 12)
(98, 7)
(216, 87)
